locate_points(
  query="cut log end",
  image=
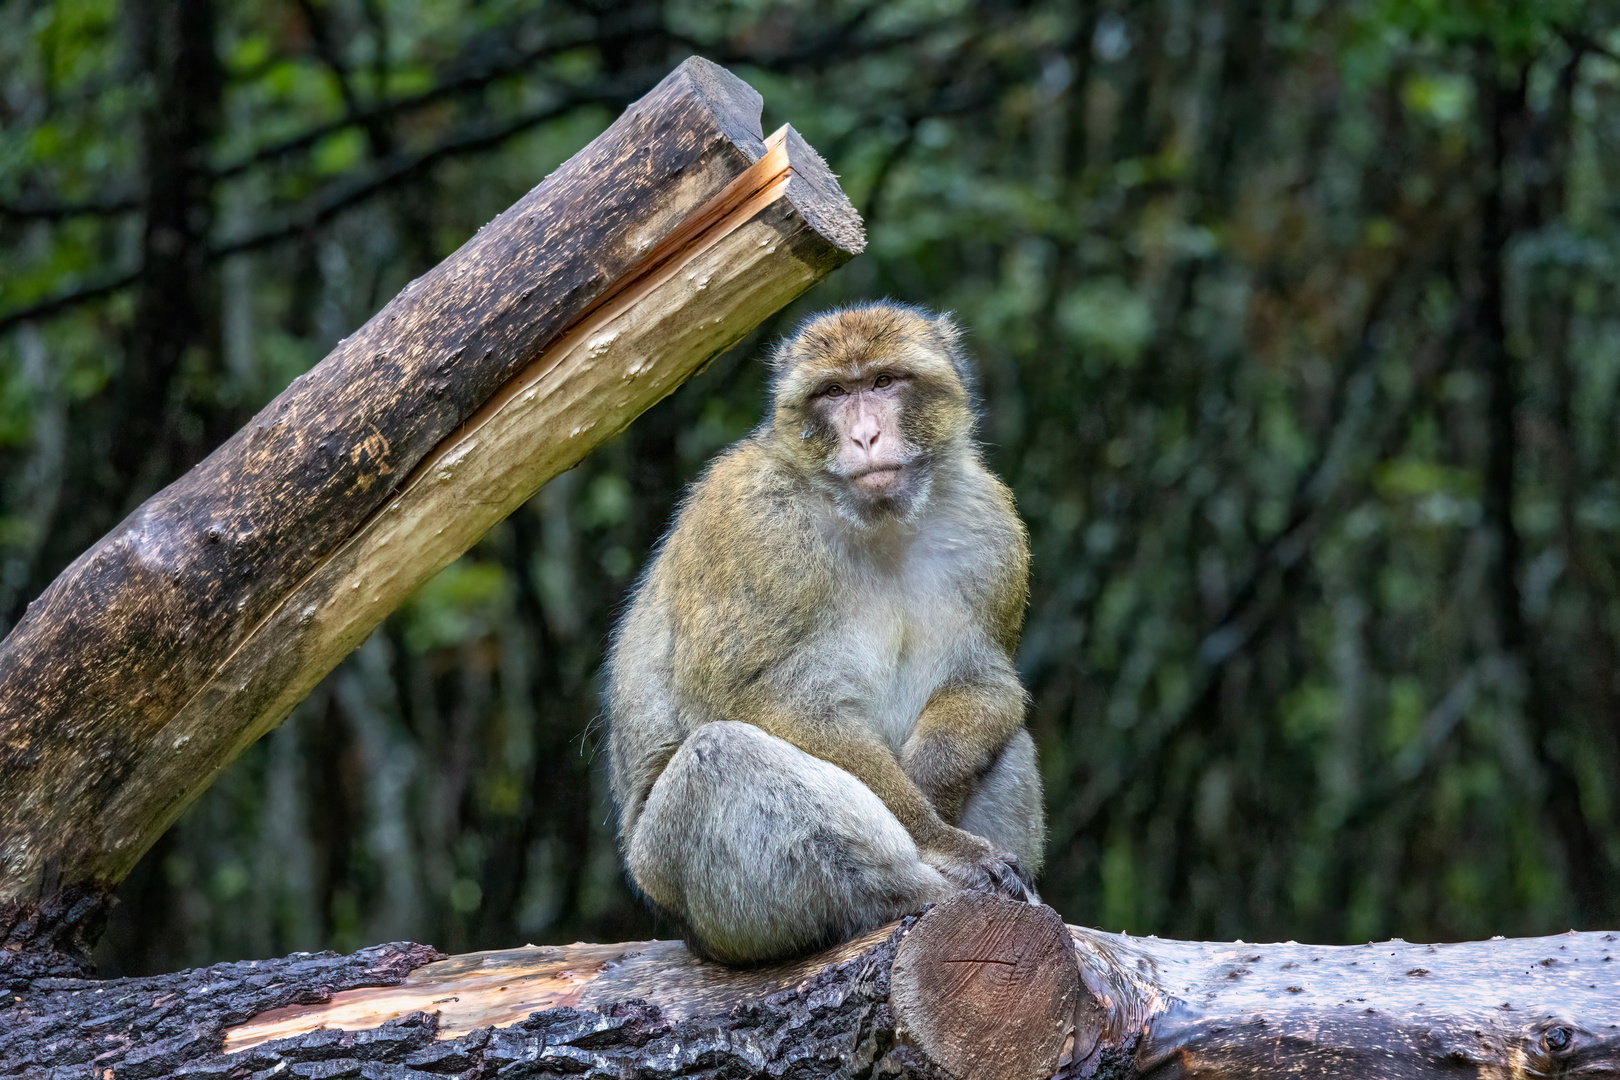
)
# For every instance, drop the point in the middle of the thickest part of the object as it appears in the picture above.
(986, 988)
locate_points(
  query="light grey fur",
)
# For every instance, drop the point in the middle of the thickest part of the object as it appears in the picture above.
(764, 851)
(1006, 809)
(758, 848)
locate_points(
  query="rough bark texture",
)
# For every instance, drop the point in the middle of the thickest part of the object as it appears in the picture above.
(498, 988)
(833, 1023)
(185, 633)
(53, 936)
(1523, 1007)
(975, 987)
(150, 1027)
(755, 256)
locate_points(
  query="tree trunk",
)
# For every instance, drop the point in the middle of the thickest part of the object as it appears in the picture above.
(975, 989)
(176, 302)
(194, 626)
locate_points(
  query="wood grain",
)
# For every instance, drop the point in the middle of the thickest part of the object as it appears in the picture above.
(498, 988)
(898, 1002)
(986, 988)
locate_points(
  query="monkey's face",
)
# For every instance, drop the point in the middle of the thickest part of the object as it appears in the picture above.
(869, 401)
(862, 415)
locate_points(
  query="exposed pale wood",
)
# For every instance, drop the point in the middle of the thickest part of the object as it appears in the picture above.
(986, 989)
(193, 627)
(502, 987)
(624, 357)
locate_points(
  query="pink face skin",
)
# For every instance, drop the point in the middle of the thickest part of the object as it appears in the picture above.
(865, 413)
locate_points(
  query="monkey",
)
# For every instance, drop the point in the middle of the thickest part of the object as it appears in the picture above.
(814, 724)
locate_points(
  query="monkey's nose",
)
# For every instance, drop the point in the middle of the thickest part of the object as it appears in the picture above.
(865, 434)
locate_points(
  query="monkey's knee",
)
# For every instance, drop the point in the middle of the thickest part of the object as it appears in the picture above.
(765, 851)
(1006, 808)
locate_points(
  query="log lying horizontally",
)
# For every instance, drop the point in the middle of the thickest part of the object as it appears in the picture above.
(194, 626)
(975, 989)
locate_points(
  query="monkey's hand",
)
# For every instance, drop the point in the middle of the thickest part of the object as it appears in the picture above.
(970, 863)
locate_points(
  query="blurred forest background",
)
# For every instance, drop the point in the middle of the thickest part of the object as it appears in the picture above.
(1300, 343)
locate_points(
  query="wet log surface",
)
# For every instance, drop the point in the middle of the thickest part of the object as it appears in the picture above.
(194, 626)
(1523, 1007)
(817, 1020)
(151, 1027)
(975, 987)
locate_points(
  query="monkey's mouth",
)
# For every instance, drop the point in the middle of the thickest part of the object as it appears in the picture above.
(878, 480)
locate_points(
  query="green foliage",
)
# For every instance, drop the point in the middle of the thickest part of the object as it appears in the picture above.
(466, 601)
(1321, 637)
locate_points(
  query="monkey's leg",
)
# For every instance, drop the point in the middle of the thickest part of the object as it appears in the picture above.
(1006, 808)
(764, 851)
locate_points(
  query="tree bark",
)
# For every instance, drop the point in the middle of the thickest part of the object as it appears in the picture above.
(194, 626)
(974, 988)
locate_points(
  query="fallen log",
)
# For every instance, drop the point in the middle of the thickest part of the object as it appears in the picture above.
(975, 989)
(195, 625)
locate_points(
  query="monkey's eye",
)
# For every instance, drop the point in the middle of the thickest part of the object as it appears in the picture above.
(882, 380)
(834, 391)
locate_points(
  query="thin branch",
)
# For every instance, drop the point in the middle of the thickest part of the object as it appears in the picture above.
(325, 204)
(832, 43)
(44, 211)
(392, 171)
(109, 206)
(455, 87)
(345, 194)
(53, 305)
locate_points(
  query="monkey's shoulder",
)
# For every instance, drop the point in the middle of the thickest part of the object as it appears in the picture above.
(983, 517)
(745, 541)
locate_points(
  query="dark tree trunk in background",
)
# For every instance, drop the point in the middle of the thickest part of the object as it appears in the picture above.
(140, 433)
(1520, 194)
(176, 319)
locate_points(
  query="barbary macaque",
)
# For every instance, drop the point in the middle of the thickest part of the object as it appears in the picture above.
(815, 726)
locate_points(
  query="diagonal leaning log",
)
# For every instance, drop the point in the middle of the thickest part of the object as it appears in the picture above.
(975, 989)
(194, 626)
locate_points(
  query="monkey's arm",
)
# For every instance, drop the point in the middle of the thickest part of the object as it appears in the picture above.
(868, 760)
(969, 718)
(968, 860)
(961, 730)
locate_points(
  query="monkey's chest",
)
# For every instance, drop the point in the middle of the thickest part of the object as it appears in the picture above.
(911, 643)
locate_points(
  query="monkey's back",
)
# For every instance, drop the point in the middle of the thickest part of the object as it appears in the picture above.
(711, 610)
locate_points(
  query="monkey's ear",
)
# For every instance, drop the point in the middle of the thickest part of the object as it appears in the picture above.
(950, 335)
(779, 359)
(950, 342)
